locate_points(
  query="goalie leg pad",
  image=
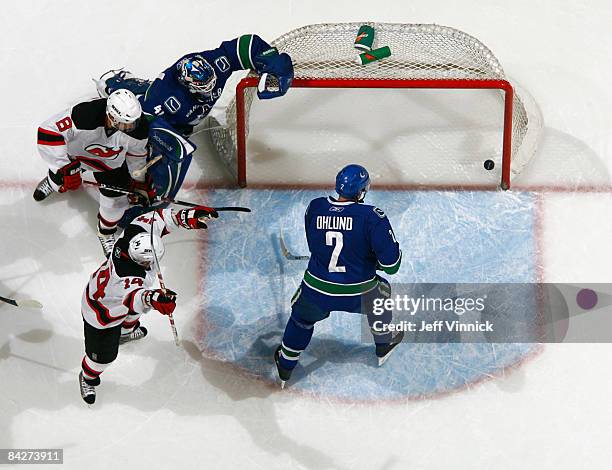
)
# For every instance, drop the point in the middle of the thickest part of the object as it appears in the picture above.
(168, 175)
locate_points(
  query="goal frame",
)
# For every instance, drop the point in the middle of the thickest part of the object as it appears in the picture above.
(503, 85)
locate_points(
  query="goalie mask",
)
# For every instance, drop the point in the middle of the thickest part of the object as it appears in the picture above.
(123, 110)
(196, 74)
(141, 252)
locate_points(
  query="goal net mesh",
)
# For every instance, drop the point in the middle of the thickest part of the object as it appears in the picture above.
(419, 52)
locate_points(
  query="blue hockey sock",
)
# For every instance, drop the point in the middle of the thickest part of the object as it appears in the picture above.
(379, 326)
(296, 338)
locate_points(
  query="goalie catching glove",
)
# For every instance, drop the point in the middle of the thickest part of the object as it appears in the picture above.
(276, 73)
(194, 218)
(164, 303)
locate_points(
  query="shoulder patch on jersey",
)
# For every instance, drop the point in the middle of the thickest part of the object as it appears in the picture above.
(89, 115)
(172, 104)
(222, 63)
(379, 212)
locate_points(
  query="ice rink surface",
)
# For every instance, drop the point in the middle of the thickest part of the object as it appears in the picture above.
(212, 402)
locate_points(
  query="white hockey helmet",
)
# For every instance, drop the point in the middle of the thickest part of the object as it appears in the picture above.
(140, 250)
(123, 110)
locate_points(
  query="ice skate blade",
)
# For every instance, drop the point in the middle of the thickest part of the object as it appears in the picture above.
(282, 384)
(382, 360)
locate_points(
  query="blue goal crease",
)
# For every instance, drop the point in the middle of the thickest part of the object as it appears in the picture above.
(454, 237)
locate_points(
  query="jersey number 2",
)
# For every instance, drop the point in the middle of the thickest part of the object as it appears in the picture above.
(335, 239)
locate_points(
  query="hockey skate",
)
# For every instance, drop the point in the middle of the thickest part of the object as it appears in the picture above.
(88, 391)
(43, 189)
(138, 332)
(283, 374)
(383, 351)
(115, 79)
(107, 240)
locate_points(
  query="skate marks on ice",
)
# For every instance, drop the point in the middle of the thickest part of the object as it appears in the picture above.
(445, 236)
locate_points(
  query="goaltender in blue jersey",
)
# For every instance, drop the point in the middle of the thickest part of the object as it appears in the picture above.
(349, 242)
(185, 93)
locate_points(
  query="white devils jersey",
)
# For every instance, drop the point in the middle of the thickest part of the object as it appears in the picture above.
(79, 134)
(109, 297)
(115, 289)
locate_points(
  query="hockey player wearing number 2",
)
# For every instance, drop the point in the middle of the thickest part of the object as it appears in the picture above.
(106, 136)
(121, 290)
(348, 242)
(185, 93)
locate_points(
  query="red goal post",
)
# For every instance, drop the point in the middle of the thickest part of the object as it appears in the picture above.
(423, 57)
(503, 85)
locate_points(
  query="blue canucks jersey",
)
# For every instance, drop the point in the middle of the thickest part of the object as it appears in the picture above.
(348, 242)
(182, 109)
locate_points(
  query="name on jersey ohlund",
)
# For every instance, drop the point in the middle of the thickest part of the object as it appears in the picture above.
(331, 222)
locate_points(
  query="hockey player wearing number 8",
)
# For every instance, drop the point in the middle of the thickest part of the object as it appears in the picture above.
(348, 242)
(184, 94)
(121, 290)
(106, 136)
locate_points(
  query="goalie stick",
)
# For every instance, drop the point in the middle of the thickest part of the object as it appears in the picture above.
(286, 253)
(167, 199)
(27, 303)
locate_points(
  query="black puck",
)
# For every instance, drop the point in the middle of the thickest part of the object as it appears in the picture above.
(489, 164)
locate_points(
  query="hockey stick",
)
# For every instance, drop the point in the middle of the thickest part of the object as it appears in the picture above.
(161, 283)
(287, 254)
(143, 170)
(27, 303)
(166, 199)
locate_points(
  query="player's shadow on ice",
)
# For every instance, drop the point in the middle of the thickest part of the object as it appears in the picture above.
(35, 231)
(261, 421)
(41, 362)
(333, 351)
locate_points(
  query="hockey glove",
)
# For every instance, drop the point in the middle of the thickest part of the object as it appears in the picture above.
(163, 303)
(70, 176)
(276, 73)
(144, 192)
(194, 218)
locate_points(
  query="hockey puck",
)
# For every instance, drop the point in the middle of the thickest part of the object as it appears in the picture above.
(489, 164)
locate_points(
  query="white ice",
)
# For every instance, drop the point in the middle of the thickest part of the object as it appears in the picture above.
(168, 407)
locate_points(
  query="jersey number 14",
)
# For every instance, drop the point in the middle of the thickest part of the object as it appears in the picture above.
(336, 240)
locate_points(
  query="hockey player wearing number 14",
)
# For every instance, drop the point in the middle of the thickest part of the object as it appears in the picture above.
(121, 290)
(348, 241)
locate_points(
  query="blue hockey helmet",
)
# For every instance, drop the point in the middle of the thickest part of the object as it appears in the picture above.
(196, 73)
(353, 182)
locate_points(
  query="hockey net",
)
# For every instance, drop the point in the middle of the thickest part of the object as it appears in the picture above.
(466, 110)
